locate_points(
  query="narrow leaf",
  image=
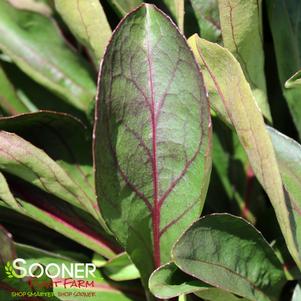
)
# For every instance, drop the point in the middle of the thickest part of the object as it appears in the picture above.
(241, 23)
(122, 7)
(297, 293)
(176, 9)
(152, 137)
(229, 253)
(288, 153)
(66, 223)
(22, 159)
(168, 281)
(88, 22)
(223, 74)
(9, 100)
(37, 47)
(120, 268)
(5, 194)
(207, 14)
(285, 23)
(64, 139)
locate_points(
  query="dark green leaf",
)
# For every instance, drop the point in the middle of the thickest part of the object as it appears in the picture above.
(229, 253)
(285, 23)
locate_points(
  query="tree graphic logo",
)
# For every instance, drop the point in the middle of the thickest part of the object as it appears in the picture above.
(10, 271)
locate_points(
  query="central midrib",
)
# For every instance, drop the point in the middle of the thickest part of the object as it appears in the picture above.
(156, 207)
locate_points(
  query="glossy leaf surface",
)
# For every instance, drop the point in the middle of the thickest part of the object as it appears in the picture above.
(152, 137)
(229, 253)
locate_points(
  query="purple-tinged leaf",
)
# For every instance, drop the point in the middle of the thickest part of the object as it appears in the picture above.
(152, 137)
(65, 139)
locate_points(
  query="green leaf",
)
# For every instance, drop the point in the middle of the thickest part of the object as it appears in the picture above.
(35, 96)
(289, 267)
(9, 100)
(37, 47)
(168, 281)
(88, 22)
(22, 159)
(294, 81)
(152, 137)
(72, 166)
(241, 24)
(122, 7)
(120, 268)
(64, 220)
(216, 294)
(64, 139)
(5, 194)
(288, 153)
(224, 76)
(297, 293)
(207, 15)
(227, 252)
(7, 250)
(40, 6)
(285, 23)
(233, 184)
(176, 9)
(98, 260)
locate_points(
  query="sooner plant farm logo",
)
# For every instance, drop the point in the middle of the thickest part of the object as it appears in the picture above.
(60, 276)
(20, 269)
(10, 272)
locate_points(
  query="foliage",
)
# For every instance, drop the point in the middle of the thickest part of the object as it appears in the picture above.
(155, 141)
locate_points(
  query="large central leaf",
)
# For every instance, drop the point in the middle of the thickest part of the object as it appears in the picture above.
(152, 150)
